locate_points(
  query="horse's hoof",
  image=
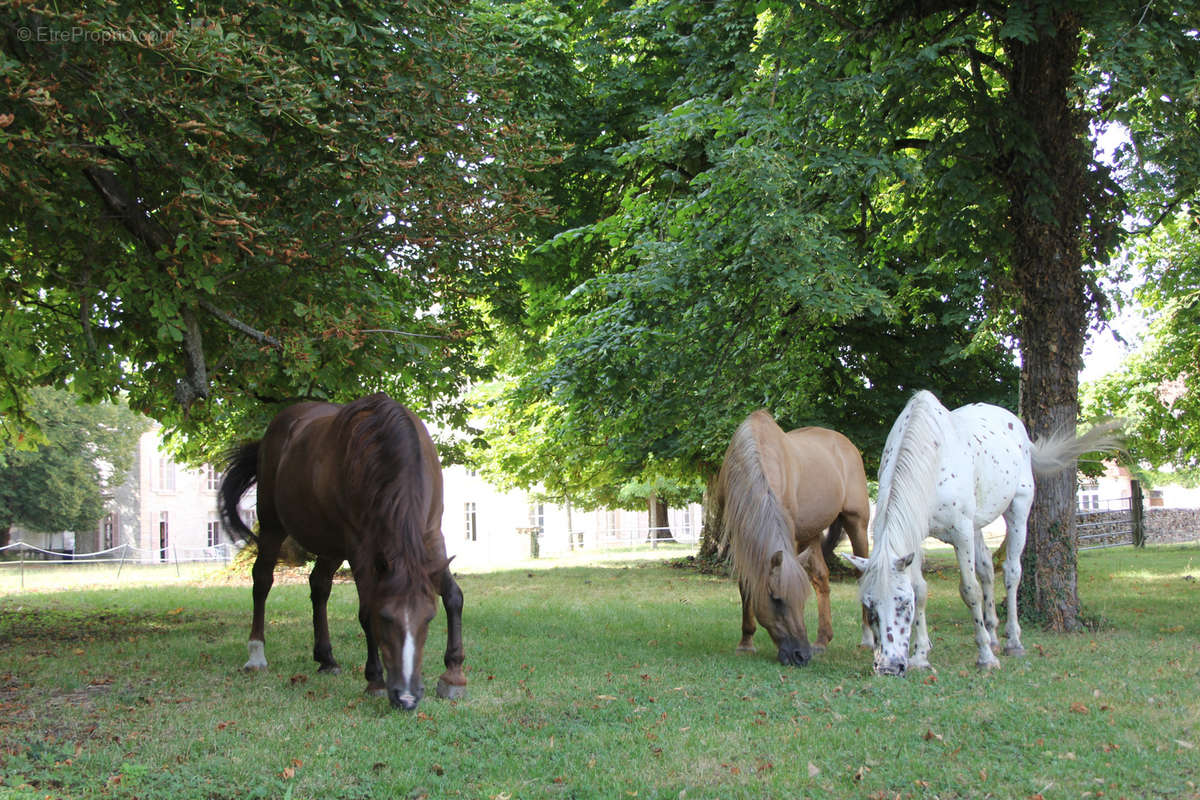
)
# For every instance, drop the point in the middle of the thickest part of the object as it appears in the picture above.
(988, 666)
(376, 690)
(745, 648)
(1015, 650)
(450, 691)
(329, 669)
(924, 666)
(817, 649)
(251, 666)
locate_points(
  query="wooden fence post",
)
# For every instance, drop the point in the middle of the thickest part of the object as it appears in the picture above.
(1138, 513)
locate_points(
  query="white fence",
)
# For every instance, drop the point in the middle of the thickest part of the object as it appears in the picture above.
(121, 555)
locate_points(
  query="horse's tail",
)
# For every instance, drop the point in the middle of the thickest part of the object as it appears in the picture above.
(834, 537)
(754, 523)
(1058, 451)
(241, 472)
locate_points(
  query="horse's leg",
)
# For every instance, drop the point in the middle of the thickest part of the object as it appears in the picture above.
(818, 572)
(320, 583)
(746, 645)
(919, 644)
(985, 573)
(263, 572)
(855, 525)
(373, 671)
(1015, 521)
(968, 588)
(452, 685)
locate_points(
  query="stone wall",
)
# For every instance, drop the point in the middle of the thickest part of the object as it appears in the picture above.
(1172, 525)
(1163, 525)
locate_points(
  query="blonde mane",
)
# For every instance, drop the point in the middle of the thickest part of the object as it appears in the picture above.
(754, 525)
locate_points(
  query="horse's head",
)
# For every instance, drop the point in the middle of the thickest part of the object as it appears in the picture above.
(780, 608)
(400, 610)
(886, 592)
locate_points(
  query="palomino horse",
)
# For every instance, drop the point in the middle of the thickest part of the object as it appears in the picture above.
(360, 483)
(947, 475)
(778, 493)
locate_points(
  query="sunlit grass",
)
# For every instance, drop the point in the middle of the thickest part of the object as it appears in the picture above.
(606, 680)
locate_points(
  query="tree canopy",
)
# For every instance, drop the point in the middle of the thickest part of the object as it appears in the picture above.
(812, 207)
(820, 207)
(216, 214)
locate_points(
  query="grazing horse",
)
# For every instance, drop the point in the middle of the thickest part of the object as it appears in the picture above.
(947, 475)
(778, 493)
(358, 483)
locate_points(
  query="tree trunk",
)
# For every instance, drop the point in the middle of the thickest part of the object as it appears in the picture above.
(712, 530)
(5, 534)
(660, 526)
(1047, 184)
(88, 540)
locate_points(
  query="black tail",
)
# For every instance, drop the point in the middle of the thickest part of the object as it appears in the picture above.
(241, 472)
(832, 538)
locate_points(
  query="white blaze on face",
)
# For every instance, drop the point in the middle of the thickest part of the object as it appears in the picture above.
(408, 654)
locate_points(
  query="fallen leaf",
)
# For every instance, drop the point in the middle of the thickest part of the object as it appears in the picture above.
(1078, 708)
(180, 611)
(930, 735)
(1186, 745)
(813, 770)
(288, 773)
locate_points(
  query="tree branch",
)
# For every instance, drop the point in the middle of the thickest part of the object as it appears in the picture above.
(241, 327)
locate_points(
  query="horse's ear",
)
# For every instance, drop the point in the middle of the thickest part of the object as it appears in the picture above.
(438, 566)
(859, 563)
(905, 562)
(773, 577)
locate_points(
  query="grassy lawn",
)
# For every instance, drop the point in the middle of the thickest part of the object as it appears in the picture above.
(608, 680)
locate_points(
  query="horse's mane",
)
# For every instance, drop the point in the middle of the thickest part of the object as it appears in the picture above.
(753, 520)
(386, 486)
(908, 478)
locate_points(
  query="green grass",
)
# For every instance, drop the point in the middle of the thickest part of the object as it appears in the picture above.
(613, 680)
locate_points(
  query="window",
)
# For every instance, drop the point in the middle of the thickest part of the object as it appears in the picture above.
(108, 531)
(537, 516)
(472, 523)
(166, 474)
(214, 530)
(1089, 495)
(212, 477)
(164, 538)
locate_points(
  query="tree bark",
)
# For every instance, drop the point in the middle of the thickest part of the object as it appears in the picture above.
(659, 523)
(1047, 185)
(712, 530)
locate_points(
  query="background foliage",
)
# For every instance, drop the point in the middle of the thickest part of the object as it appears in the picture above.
(60, 481)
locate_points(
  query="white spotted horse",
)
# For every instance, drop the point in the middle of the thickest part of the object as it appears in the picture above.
(359, 483)
(947, 475)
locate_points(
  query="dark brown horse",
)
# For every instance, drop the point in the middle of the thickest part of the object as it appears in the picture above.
(358, 483)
